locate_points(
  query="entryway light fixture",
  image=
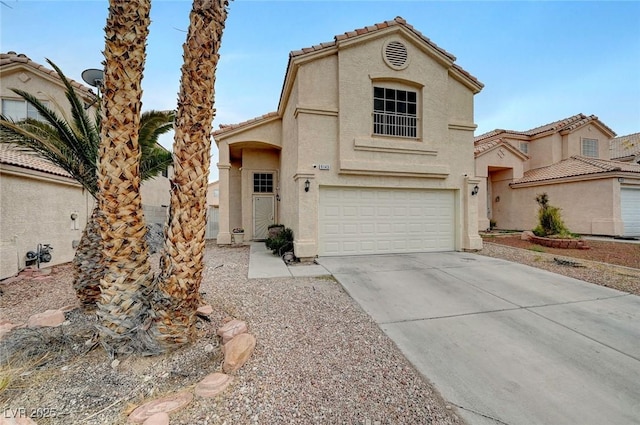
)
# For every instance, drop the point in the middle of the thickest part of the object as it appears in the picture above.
(475, 190)
(307, 184)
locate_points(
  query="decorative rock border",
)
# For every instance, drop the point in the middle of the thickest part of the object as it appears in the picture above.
(555, 242)
(237, 349)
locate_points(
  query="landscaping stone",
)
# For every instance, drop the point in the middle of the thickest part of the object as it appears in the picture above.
(50, 318)
(166, 405)
(160, 418)
(527, 235)
(205, 310)
(237, 352)
(231, 329)
(213, 384)
(21, 420)
(6, 327)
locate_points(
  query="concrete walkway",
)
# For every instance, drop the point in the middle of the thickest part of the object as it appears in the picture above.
(263, 264)
(506, 343)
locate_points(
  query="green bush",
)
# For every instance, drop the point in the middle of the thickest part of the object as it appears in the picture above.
(281, 243)
(549, 219)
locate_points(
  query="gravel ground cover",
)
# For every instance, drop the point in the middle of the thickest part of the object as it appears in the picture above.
(319, 358)
(588, 264)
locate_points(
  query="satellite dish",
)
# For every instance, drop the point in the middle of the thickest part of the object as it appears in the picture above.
(93, 77)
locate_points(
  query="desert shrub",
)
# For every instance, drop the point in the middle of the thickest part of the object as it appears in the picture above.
(281, 242)
(549, 219)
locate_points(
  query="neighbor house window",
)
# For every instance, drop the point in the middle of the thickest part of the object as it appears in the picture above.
(19, 110)
(263, 182)
(590, 148)
(216, 193)
(395, 112)
(524, 148)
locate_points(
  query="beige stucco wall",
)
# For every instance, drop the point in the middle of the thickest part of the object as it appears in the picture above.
(213, 198)
(588, 207)
(572, 142)
(327, 120)
(36, 208)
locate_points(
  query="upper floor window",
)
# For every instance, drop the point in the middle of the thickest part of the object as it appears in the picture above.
(216, 193)
(590, 148)
(395, 112)
(18, 110)
(263, 183)
(524, 148)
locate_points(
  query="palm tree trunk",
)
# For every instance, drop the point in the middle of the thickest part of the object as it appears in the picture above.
(182, 265)
(87, 263)
(124, 304)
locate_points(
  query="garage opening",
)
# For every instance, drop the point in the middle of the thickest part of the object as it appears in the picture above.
(356, 221)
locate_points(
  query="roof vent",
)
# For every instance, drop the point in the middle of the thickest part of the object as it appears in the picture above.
(395, 55)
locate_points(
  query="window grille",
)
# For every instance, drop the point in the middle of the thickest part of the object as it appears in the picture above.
(395, 112)
(263, 183)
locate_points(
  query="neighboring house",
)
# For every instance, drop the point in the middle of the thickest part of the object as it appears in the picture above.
(626, 148)
(39, 202)
(567, 159)
(213, 204)
(370, 150)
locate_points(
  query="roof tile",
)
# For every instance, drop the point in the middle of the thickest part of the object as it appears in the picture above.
(577, 166)
(9, 58)
(12, 155)
(625, 146)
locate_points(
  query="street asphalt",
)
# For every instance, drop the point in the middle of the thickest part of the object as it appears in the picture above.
(504, 342)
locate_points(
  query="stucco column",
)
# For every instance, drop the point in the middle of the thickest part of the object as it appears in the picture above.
(471, 240)
(224, 232)
(305, 244)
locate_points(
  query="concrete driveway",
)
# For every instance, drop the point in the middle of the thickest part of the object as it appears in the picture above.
(506, 343)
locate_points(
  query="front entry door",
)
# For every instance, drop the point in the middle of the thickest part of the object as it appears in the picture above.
(263, 215)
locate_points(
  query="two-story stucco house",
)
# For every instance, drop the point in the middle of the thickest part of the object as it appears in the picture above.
(369, 151)
(568, 159)
(41, 203)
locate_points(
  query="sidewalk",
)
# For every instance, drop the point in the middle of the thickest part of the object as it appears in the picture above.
(263, 264)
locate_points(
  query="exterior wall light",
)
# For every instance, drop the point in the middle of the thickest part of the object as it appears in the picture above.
(475, 190)
(307, 184)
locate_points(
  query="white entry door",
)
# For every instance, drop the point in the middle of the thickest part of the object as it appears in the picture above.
(264, 213)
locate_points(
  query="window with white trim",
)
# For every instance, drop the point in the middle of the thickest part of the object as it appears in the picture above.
(524, 148)
(395, 112)
(263, 182)
(590, 148)
(18, 110)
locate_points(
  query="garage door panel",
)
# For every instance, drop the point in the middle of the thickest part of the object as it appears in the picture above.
(630, 208)
(386, 221)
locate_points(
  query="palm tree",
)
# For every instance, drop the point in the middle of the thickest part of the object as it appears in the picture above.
(177, 296)
(126, 286)
(72, 144)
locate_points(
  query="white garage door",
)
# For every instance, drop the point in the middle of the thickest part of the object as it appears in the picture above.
(630, 206)
(379, 221)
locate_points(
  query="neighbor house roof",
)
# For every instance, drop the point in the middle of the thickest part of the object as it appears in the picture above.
(577, 166)
(360, 32)
(564, 125)
(12, 59)
(11, 155)
(484, 146)
(625, 146)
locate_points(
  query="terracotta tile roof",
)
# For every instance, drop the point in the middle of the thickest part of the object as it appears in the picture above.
(10, 58)
(11, 155)
(376, 27)
(485, 145)
(566, 124)
(577, 166)
(228, 127)
(625, 146)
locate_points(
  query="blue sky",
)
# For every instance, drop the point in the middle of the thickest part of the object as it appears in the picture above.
(540, 61)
